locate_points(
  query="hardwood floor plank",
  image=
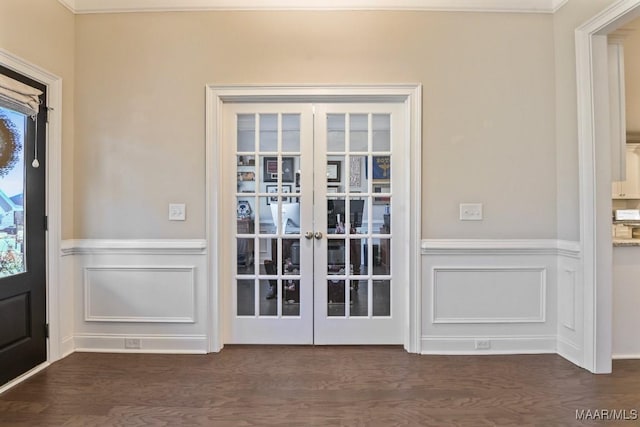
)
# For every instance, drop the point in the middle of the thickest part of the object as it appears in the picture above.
(324, 386)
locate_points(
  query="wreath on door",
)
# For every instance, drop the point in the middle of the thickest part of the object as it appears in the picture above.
(10, 145)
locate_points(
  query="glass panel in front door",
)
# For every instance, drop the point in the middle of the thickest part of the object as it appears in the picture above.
(358, 200)
(12, 248)
(268, 196)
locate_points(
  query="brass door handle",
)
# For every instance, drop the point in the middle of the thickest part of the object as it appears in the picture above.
(308, 235)
(318, 235)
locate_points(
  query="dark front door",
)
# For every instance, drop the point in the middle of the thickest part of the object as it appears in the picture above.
(22, 236)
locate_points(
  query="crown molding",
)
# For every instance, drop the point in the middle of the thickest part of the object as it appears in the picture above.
(120, 6)
(69, 4)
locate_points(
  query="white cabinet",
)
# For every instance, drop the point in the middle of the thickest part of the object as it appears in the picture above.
(630, 187)
(617, 108)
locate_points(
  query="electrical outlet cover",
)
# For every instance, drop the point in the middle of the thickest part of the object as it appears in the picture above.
(470, 211)
(483, 344)
(132, 343)
(177, 212)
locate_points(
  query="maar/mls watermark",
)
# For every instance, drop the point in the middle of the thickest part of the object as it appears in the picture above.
(606, 414)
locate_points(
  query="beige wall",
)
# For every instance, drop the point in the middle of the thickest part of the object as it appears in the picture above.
(573, 14)
(632, 75)
(42, 33)
(489, 108)
(143, 75)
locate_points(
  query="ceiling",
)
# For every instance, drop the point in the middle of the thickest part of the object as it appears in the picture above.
(513, 6)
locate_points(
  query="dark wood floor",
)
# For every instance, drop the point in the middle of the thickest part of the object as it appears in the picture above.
(302, 386)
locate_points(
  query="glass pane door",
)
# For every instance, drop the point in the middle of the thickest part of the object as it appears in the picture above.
(272, 277)
(312, 203)
(354, 291)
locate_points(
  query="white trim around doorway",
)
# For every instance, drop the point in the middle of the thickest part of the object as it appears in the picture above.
(217, 96)
(595, 180)
(56, 348)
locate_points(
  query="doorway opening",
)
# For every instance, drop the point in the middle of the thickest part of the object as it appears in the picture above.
(595, 179)
(316, 236)
(318, 211)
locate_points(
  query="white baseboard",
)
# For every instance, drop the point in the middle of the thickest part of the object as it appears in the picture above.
(540, 344)
(67, 346)
(166, 344)
(23, 377)
(570, 351)
(625, 356)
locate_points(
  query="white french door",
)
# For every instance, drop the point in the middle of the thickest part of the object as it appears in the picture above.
(315, 212)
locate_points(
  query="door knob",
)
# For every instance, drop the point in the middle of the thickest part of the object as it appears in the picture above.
(318, 235)
(308, 235)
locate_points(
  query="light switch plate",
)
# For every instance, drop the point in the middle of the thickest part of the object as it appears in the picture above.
(470, 211)
(177, 212)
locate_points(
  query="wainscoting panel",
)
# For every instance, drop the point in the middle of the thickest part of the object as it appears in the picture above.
(121, 294)
(570, 306)
(489, 295)
(138, 295)
(567, 297)
(496, 296)
(478, 297)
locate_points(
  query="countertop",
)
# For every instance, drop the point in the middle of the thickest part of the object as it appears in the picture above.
(626, 241)
(617, 241)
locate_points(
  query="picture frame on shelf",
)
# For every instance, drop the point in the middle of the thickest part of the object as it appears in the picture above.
(273, 189)
(271, 170)
(355, 170)
(286, 189)
(333, 170)
(381, 169)
(382, 199)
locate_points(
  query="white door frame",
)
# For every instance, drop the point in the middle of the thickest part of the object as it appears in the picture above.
(595, 179)
(217, 96)
(53, 83)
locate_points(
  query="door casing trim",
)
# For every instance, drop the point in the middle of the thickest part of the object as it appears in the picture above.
(594, 180)
(53, 190)
(217, 96)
